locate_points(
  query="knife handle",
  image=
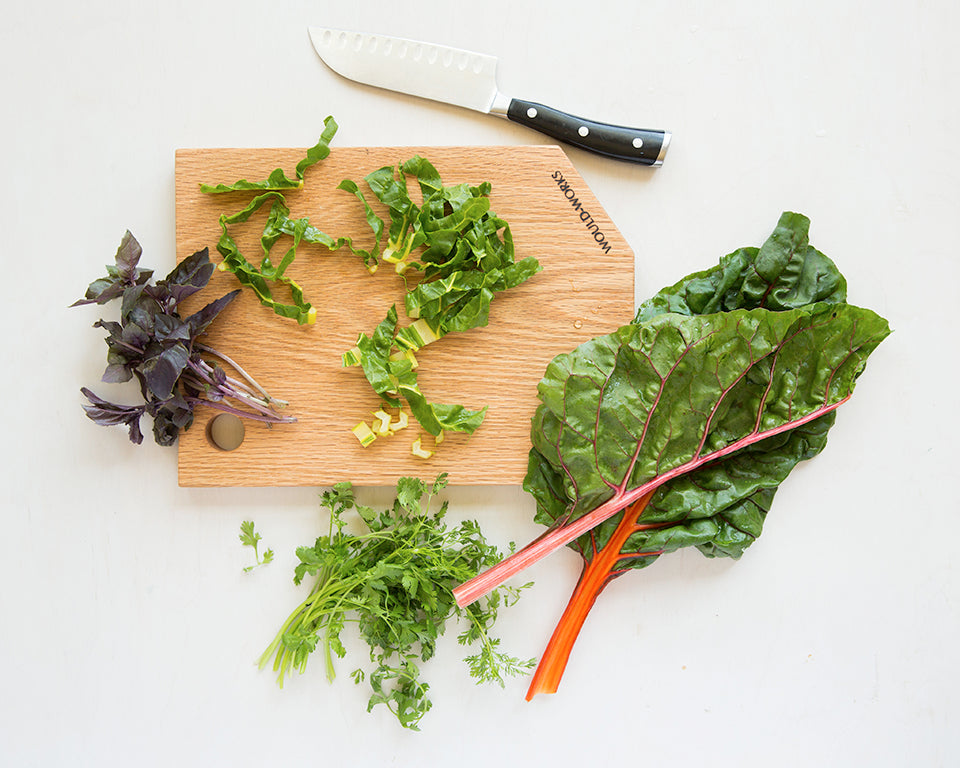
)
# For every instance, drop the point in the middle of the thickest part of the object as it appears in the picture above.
(634, 145)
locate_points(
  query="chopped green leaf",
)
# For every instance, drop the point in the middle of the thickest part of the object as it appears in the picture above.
(462, 250)
(465, 255)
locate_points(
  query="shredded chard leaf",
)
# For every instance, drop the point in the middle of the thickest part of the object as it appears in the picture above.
(464, 255)
(460, 251)
(278, 179)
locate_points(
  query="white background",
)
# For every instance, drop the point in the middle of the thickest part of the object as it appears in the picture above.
(128, 632)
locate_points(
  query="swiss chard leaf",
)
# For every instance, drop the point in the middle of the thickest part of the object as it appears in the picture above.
(786, 272)
(465, 253)
(466, 256)
(259, 278)
(264, 276)
(437, 418)
(677, 430)
(692, 401)
(628, 409)
(396, 379)
(375, 357)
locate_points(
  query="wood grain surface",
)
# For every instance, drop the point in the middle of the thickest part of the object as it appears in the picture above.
(584, 290)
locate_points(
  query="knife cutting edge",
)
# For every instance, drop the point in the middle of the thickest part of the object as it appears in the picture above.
(468, 79)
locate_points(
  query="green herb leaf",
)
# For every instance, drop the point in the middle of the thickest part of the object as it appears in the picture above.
(250, 538)
(394, 582)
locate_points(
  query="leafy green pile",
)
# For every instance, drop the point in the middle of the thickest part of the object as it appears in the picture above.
(461, 249)
(395, 583)
(464, 255)
(152, 343)
(457, 251)
(677, 429)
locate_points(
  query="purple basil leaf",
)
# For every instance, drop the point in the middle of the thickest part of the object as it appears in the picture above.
(142, 317)
(193, 270)
(169, 417)
(94, 398)
(189, 276)
(127, 258)
(135, 336)
(131, 300)
(182, 418)
(199, 321)
(165, 432)
(170, 328)
(124, 274)
(133, 429)
(114, 329)
(100, 292)
(219, 376)
(178, 403)
(178, 293)
(109, 414)
(161, 372)
(117, 373)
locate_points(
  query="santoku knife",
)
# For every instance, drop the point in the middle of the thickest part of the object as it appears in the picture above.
(468, 79)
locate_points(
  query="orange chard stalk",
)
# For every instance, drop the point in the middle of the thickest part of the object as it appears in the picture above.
(597, 573)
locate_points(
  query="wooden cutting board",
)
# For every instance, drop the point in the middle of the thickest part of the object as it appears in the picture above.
(585, 289)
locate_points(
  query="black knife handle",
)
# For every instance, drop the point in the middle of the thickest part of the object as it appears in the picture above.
(634, 145)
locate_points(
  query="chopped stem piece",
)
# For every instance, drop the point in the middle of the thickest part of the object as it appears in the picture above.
(382, 426)
(419, 451)
(364, 434)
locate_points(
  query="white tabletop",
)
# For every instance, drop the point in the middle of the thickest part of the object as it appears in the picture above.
(129, 631)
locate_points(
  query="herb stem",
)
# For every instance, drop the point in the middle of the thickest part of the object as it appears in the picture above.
(266, 418)
(242, 373)
(240, 387)
(206, 380)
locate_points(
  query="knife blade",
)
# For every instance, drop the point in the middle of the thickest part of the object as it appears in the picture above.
(468, 79)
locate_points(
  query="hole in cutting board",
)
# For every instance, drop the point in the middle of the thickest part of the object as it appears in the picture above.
(225, 432)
